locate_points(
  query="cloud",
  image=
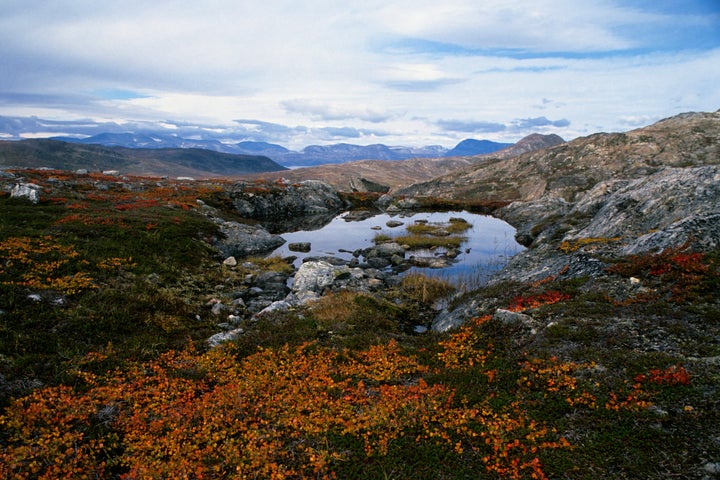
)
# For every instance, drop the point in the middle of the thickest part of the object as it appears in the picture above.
(470, 126)
(382, 64)
(530, 123)
(323, 111)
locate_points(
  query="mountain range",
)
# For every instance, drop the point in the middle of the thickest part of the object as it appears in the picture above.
(309, 156)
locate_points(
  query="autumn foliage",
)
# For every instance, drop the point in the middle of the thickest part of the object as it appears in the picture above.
(290, 412)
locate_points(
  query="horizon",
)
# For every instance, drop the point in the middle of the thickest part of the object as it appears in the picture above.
(394, 72)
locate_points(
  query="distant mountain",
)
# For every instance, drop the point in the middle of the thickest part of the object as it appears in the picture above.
(192, 162)
(261, 148)
(149, 140)
(355, 176)
(312, 155)
(472, 147)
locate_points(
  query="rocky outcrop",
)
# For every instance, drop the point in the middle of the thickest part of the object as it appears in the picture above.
(581, 204)
(670, 208)
(281, 200)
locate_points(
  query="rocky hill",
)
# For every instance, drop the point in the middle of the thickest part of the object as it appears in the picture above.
(191, 162)
(568, 169)
(581, 204)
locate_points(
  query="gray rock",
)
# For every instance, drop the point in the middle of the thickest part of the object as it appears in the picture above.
(509, 317)
(429, 262)
(242, 240)
(310, 197)
(299, 247)
(28, 191)
(277, 306)
(315, 276)
(385, 250)
(223, 337)
(450, 319)
(394, 223)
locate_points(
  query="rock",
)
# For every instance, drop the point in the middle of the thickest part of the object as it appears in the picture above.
(429, 262)
(394, 223)
(361, 184)
(223, 337)
(384, 250)
(271, 201)
(509, 317)
(230, 262)
(315, 276)
(219, 308)
(277, 306)
(299, 247)
(243, 240)
(358, 215)
(28, 191)
(451, 319)
(378, 262)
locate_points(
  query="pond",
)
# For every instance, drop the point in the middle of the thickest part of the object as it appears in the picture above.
(490, 242)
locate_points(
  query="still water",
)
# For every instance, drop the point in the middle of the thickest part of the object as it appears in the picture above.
(490, 242)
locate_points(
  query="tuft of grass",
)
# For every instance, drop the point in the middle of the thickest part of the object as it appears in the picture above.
(415, 242)
(424, 289)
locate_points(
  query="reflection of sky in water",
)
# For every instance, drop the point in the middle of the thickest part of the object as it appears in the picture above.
(490, 242)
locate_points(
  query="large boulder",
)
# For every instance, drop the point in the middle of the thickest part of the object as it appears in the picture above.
(316, 276)
(28, 191)
(241, 240)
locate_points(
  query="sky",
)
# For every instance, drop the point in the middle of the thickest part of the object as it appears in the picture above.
(397, 72)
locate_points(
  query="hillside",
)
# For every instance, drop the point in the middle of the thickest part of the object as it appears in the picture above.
(147, 162)
(576, 166)
(367, 175)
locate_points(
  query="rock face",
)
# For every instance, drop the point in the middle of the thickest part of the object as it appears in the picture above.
(670, 208)
(281, 201)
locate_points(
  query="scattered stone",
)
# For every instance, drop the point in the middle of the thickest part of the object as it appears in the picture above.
(394, 223)
(230, 262)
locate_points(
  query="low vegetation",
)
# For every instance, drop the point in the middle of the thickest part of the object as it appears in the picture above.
(105, 373)
(429, 235)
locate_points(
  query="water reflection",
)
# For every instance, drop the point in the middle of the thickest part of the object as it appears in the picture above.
(490, 242)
